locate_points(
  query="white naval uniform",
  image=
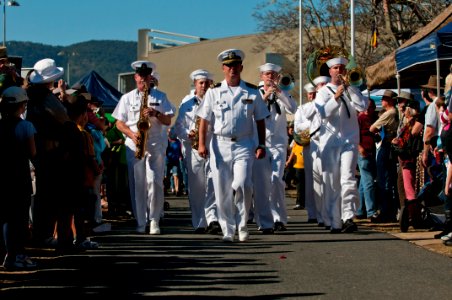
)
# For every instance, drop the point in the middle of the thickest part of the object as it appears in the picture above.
(308, 117)
(268, 173)
(145, 175)
(200, 185)
(339, 138)
(233, 111)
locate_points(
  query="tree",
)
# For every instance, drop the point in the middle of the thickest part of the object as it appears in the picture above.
(327, 22)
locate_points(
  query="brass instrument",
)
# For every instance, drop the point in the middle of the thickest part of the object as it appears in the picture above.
(316, 63)
(354, 75)
(143, 125)
(195, 138)
(286, 82)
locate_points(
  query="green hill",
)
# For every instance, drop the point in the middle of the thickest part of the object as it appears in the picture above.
(106, 57)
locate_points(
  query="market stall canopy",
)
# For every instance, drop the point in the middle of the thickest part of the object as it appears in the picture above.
(100, 88)
(383, 74)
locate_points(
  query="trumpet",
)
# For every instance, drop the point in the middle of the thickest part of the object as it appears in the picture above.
(286, 82)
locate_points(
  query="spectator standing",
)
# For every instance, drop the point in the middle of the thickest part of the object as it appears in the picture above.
(15, 177)
(386, 126)
(54, 130)
(367, 164)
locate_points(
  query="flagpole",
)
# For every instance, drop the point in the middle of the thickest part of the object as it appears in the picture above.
(352, 27)
(300, 50)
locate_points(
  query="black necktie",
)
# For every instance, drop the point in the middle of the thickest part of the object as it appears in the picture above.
(272, 100)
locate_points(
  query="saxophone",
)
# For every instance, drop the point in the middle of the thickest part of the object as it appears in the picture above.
(195, 138)
(143, 125)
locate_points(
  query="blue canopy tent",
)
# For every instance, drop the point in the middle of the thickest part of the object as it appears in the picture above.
(417, 58)
(426, 53)
(100, 88)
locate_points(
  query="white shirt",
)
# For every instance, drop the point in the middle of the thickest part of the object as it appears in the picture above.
(339, 127)
(128, 111)
(276, 124)
(232, 114)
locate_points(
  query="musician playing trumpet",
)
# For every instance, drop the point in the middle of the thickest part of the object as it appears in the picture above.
(338, 104)
(268, 173)
(146, 173)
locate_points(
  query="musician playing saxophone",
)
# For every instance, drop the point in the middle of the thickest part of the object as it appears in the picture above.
(145, 174)
(337, 105)
(200, 185)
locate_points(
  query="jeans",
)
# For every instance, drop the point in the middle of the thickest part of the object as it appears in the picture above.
(367, 190)
(387, 182)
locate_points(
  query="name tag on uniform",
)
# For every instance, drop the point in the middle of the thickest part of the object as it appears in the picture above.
(247, 101)
(154, 104)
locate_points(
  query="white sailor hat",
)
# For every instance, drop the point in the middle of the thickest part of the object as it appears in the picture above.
(337, 61)
(231, 56)
(321, 79)
(200, 74)
(269, 67)
(143, 67)
(309, 88)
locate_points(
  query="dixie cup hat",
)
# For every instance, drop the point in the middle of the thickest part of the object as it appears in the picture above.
(45, 71)
(337, 61)
(269, 67)
(321, 79)
(200, 74)
(309, 88)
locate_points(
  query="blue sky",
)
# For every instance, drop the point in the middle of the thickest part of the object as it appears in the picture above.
(66, 22)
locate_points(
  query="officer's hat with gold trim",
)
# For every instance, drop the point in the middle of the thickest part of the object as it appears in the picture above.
(231, 56)
(143, 67)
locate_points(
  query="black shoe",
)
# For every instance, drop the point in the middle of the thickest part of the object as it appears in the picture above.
(312, 220)
(448, 243)
(327, 227)
(200, 230)
(349, 226)
(298, 207)
(279, 226)
(376, 218)
(361, 217)
(442, 233)
(335, 230)
(267, 231)
(404, 221)
(321, 224)
(214, 227)
(166, 205)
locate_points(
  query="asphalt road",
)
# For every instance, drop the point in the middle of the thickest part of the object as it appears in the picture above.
(306, 261)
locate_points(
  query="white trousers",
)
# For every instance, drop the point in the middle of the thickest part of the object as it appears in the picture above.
(231, 164)
(340, 189)
(197, 187)
(262, 173)
(146, 184)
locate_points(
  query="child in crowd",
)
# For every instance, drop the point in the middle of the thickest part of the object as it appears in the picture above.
(18, 149)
